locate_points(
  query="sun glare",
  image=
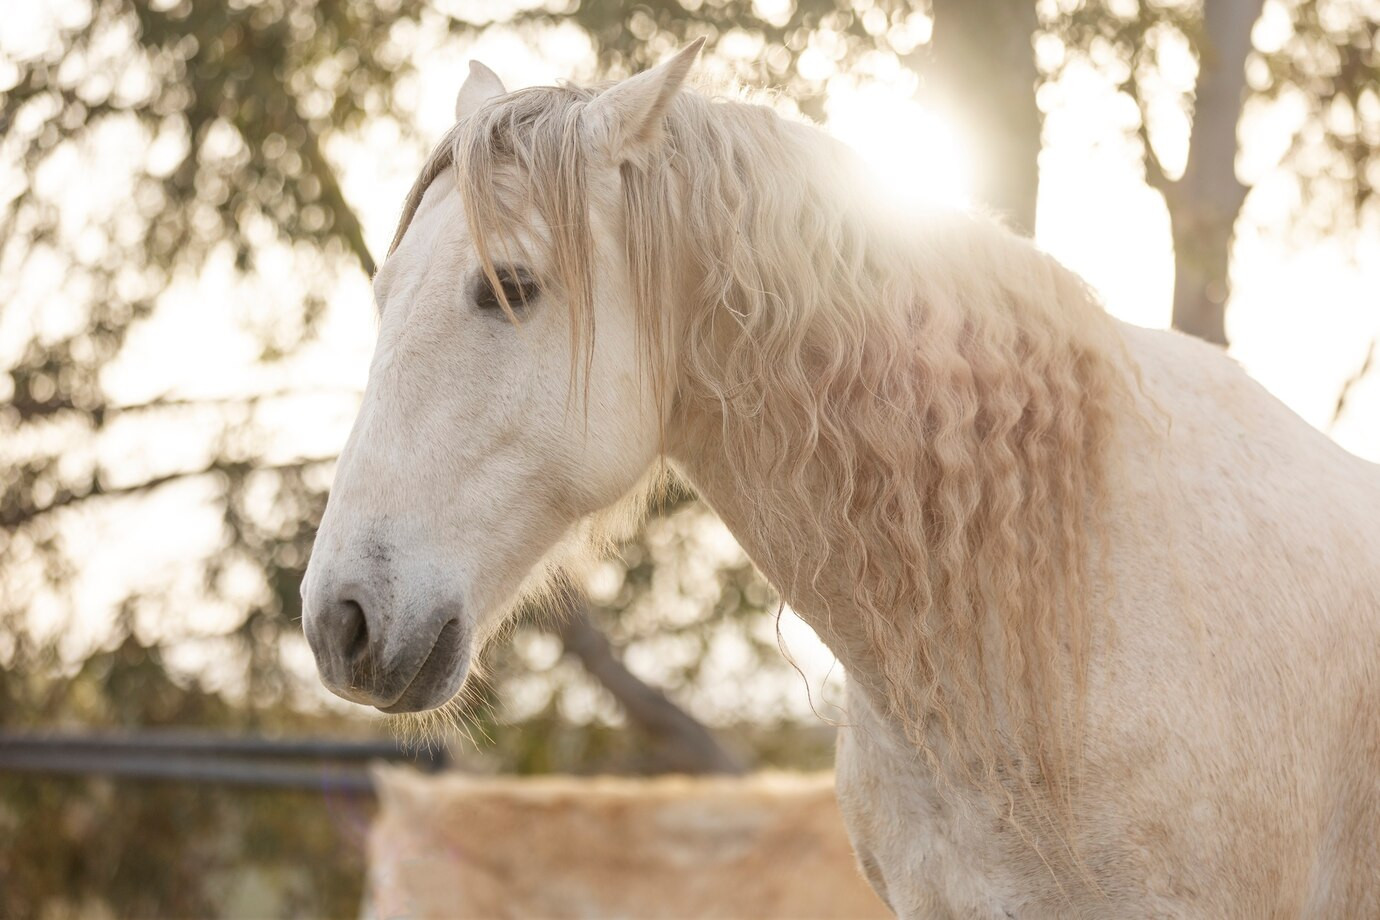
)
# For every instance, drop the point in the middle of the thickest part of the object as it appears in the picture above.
(914, 151)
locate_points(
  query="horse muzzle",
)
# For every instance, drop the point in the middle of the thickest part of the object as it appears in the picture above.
(373, 652)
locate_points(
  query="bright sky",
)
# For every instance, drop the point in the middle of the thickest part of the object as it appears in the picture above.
(1300, 321)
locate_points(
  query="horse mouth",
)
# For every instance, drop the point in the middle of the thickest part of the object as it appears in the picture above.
(439, 677)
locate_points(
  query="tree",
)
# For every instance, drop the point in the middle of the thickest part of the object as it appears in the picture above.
(1321, 54)
(1205, 201)
(230, 107)
(984, 69)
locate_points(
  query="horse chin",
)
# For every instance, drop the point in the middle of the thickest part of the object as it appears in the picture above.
(439, 678)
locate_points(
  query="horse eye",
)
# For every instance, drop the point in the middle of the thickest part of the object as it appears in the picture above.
(519, 287)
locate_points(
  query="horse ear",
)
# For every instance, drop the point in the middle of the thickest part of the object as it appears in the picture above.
(628, 117)
(479, 87)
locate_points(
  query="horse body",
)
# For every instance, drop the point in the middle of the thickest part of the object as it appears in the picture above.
(1109, 612)
(1233, 739)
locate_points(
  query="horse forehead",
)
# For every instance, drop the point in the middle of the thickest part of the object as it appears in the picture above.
(438, 236)
(439, 215)
(440, 219)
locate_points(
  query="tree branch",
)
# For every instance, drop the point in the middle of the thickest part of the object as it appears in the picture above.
(249, 399)
(689, 745)
(17, 516)
(1155, 176)
(30, 409)
(1344, 397)
(350, 227)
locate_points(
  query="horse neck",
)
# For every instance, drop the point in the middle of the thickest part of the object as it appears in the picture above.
(917, 391)
(811, 579)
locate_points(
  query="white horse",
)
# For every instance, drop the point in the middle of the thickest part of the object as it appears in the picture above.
(1110, 613)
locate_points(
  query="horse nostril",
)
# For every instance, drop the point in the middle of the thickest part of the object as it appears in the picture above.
(355, 630)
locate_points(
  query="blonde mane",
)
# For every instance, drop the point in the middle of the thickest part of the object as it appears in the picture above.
(939, 392)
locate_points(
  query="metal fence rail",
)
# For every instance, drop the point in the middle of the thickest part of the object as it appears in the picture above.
(284, 763)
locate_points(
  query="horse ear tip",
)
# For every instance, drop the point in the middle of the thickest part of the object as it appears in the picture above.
(680, 63)
(483, 72)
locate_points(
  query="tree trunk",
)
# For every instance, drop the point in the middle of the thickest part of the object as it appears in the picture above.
(983, 66)
(1204, 204)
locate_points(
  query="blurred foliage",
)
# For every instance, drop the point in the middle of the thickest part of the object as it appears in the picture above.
(229, 105)
(98, 848)
(92, 848)
(211, 119)
(1329, 59)
(793, 46)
